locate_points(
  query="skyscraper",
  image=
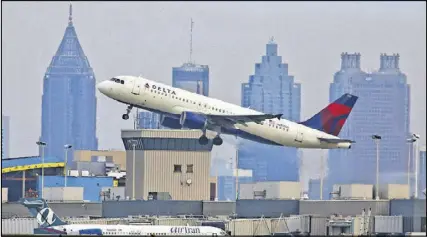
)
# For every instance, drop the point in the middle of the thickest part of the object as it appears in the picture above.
(383, 109)
(271, 90)
(4, 136)
(192, 77)
(422, 172)
(68, 101)
(148, 120)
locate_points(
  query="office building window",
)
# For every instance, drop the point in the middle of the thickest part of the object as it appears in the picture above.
(189, 168)
(177, 168)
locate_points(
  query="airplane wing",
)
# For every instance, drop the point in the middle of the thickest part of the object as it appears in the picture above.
(241, 119)
(334, 141)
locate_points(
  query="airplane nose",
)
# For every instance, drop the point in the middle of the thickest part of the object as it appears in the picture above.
(102, 87)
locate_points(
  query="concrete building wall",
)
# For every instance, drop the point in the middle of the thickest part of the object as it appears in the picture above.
(343, 207)
(218, 208)
(184, 185)
(273, 190)
(266, 208)
(92, 186)
(112, 209)
(77, 209)
(119, 157)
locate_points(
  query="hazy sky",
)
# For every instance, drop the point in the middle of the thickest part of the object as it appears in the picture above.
(149, 38)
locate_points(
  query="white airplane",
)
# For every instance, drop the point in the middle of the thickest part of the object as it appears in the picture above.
(183, 109)
(51, 224)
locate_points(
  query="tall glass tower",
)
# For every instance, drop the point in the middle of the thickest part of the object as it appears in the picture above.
(422, 172)
(271, 90)
(4, 136)
(148, 120)
(383, 109)
(191, 77)
(69, 101)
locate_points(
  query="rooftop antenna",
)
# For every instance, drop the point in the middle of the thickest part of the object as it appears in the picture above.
(191, 39)
(70, 16)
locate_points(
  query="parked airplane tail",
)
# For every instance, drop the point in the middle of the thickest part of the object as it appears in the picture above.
(332, 118)
(42, 212)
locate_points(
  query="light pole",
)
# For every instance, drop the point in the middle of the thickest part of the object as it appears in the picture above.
(411, 148)
(66, 148)
(133, 142)
(377, 139)
(237, 171)
(42, 145)
(416, 157)
(322, 173)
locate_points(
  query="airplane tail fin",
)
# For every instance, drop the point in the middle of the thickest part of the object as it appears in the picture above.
(332, 118)
(41, 211)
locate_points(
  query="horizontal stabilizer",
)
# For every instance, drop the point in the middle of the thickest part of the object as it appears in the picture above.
(334, 141)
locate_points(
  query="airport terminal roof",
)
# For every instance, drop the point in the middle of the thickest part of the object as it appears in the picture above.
(21, 161)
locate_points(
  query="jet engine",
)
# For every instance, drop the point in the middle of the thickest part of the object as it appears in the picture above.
(169, 122)
(193, 120)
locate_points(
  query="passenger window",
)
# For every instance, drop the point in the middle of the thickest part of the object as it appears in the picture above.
(121, 81)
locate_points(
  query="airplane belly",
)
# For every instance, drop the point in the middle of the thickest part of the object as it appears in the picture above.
(258, 133)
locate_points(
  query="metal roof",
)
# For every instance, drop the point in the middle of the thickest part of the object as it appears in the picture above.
(12, 162)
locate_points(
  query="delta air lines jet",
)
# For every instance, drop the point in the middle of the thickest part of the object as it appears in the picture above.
(183, 109)
(51, 224)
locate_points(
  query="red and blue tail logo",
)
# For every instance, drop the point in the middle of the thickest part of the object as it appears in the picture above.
(332, 118)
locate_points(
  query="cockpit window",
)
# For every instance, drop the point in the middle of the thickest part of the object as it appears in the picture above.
(116, 80)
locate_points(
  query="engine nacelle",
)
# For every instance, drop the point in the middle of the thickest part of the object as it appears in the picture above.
(169, 122)
(193, 120)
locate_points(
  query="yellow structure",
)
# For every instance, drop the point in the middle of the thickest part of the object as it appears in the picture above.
(32, 166)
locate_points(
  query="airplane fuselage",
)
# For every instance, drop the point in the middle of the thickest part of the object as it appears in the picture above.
(172, 102)
(142, 230)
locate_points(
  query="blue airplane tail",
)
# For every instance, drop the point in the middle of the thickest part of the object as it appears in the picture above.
(332, 118)
(41, 211)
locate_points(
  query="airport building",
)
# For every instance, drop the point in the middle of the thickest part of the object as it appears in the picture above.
(22, 177)
(383, 109)
(69, 101)
(168, 164)
(271, 90)
(109, 160)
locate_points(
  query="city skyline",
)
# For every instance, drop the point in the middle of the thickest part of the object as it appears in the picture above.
(312, 63)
